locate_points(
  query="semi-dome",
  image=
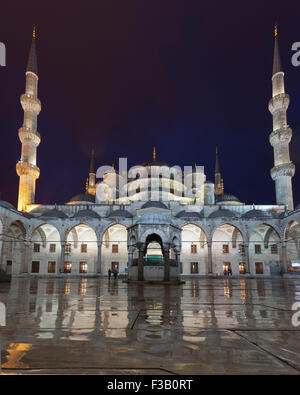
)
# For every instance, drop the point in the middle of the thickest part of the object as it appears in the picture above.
(83, 197)
(121, 213)
(226, 197)
(54, 213)
(222, 213)
(153, 218)
(189, 214)
(5, 204)
(154, 204)
(256, 214)
(86, 214)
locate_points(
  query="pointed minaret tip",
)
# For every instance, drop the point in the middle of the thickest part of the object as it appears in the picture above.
(154, 154)
(92, 164)
(32, 58)
(277, 67)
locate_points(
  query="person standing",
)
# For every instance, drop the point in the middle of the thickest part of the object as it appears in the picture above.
(109, 274)
(115, 274)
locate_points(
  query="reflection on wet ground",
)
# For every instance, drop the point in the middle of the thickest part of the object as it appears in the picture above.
(205, 326)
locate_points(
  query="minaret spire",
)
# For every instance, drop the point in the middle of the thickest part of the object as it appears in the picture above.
(91, 187)
(219, 189)
(154, 154)
(280, 138)
(26, 168)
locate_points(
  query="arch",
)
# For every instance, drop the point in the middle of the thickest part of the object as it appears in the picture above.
(267, 236)
(234, 225)
(226, 257)
(14, 259)
(114, 248)
(194, 253)
(234, 237)
(292, 242)
(81, 249)
(48, 237)
(43, 236)
(164, 237)
(262, 259)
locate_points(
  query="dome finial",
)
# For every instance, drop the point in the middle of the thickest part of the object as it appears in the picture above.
(276, 31)
(154, 154)
(34, 32)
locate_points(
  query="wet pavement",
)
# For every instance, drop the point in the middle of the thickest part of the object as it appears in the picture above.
(205, 326)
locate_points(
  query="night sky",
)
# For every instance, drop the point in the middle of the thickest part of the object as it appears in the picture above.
(123, 76)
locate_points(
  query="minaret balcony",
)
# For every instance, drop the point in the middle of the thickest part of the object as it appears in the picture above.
(26, 134)
(283, 170)
(30, 103)
(279, 102)
(279, 136)
(25, 168)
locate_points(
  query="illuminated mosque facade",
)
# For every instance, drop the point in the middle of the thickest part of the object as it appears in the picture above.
(187, 227)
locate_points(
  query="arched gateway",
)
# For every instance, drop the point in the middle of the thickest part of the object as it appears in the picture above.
(154, 249)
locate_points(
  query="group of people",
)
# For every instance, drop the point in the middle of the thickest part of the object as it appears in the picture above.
(228, 271)
(114, 272)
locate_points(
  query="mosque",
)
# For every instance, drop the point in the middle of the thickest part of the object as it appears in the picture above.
(152, 222)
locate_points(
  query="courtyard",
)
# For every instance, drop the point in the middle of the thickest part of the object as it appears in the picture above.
(204, 326)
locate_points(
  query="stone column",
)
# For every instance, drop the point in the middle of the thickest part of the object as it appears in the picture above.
(1, 251)
(62, 257)
(99, 245)
(284, 265)
(209, 251)
(130, 257)
(166, 264)
(246, 246)
(178, 263)
(26, 258)
(141, 263)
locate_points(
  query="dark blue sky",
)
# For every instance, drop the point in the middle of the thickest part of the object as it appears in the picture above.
(122, 76)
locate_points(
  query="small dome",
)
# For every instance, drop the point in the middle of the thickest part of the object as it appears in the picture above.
(54, 213)
(226, 197)
(5, 204)
(155, 204)
(222, 213)
(209, 182)
(83, 197)
(189, 214)
(86, 214)
(153, 218)
(121, 213)
(256, 214)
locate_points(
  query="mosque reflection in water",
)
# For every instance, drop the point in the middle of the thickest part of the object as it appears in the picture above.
(137, 323)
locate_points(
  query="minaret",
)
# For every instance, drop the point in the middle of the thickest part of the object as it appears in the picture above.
(283, 169)
(91, 189)
(26, 168)
(219, 189)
